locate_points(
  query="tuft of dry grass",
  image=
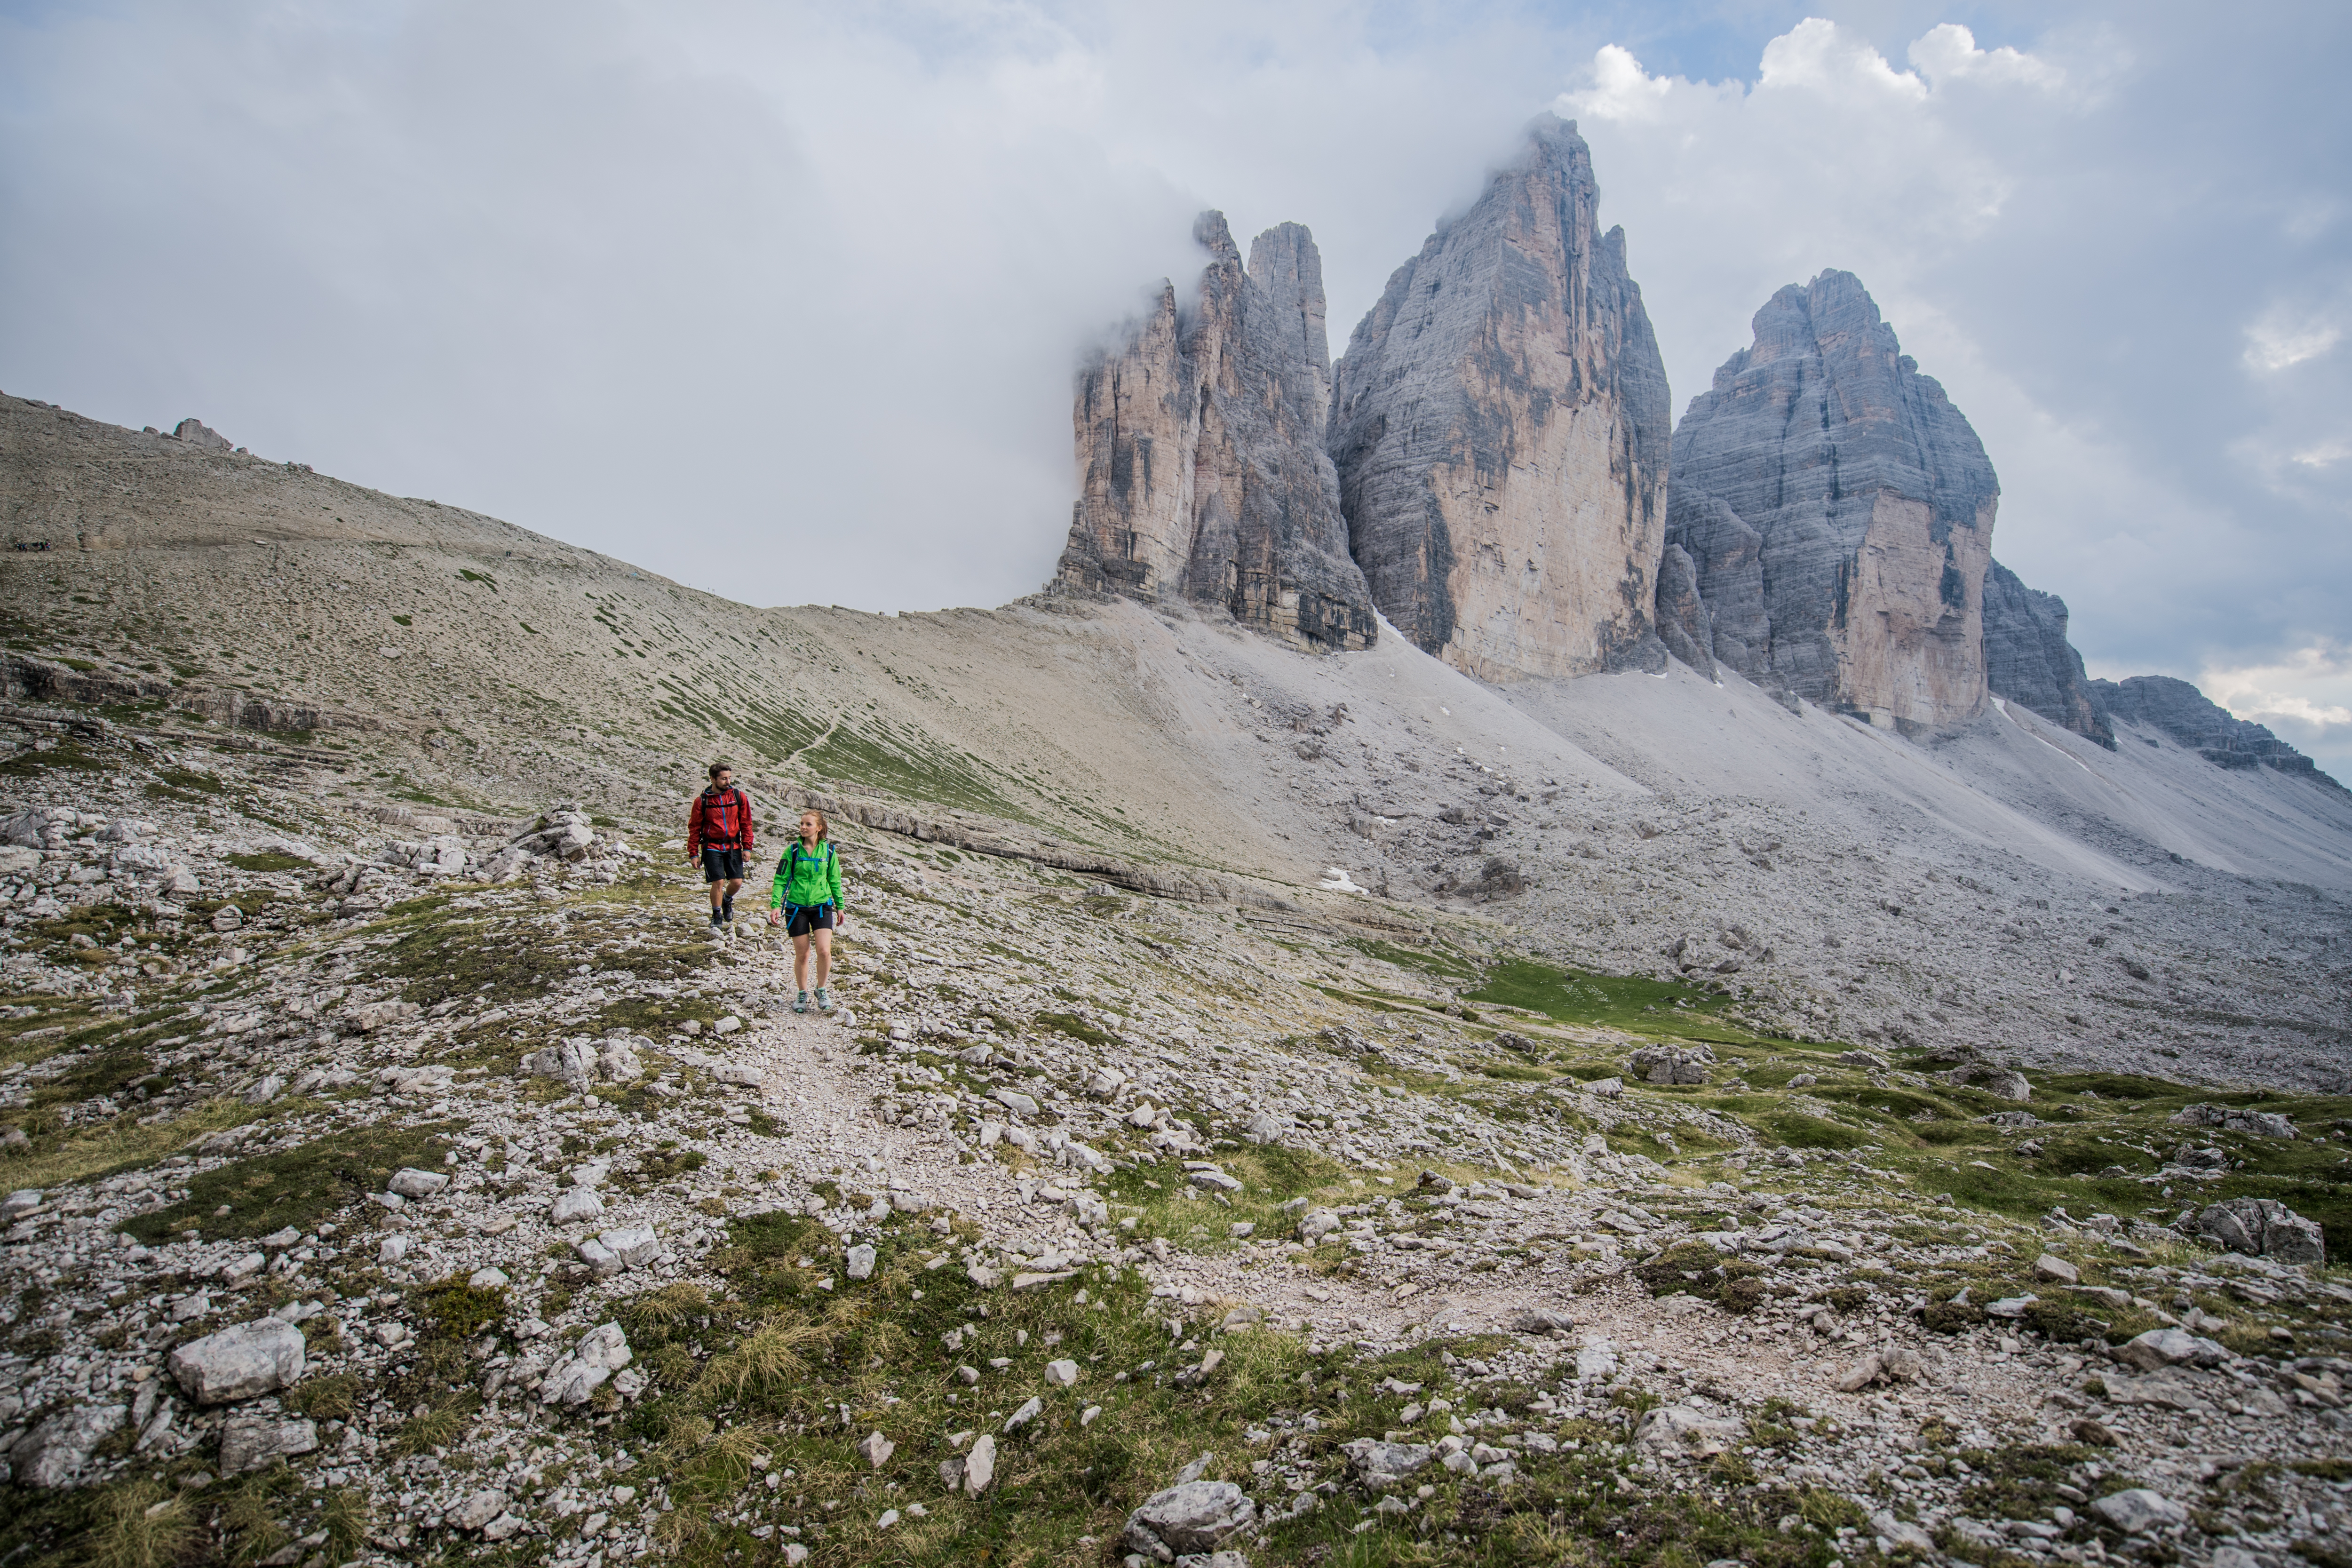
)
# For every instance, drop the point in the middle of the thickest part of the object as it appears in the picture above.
(139, 1526)
(666, 1308)
(768, 1361)
(123, 1143)
(348, 1516)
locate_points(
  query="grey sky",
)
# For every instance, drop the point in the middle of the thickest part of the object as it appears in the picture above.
(782, 300)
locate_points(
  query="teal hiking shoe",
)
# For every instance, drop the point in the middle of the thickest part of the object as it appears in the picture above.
(801, 1004)
(823, 1000)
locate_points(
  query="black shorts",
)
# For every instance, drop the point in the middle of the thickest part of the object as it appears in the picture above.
(723, 864)
(809, 918)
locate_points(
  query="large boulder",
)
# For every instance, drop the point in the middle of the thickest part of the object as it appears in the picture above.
(572, 1062)
(2231, 1119)
(2138, 1511)
(241, 1362)
(1379, 1466)
(2001, 1083)
(248, 1441)
(1197, 1516)
(1679, 1428)
(2262, 1228)
(2160, 1348)
(601, 1353)
(57, 1452)
(1670, 1064)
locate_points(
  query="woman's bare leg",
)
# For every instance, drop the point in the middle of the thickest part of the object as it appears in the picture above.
(823, 956)
(800, 963)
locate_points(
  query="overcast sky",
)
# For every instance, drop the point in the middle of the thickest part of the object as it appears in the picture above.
(784, 300)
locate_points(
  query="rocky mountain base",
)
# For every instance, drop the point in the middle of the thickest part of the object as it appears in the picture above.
(366, 1207)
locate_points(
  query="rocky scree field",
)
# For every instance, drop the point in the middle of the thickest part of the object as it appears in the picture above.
(400, 1184)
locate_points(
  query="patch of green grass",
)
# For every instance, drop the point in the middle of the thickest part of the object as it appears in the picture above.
(457, 1311)
(269, 861)
(1630, 1002)
(1429, 960)
(299, 1187)
(1799, 1130)
(330, 1398)
(1695, 1268)
(120, 1143)
(1077, 1028)
(66, 756)
(2019, 1483)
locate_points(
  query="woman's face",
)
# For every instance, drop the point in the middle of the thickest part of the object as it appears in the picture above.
(808, 828)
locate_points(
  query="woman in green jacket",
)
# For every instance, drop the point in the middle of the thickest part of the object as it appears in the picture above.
(807, 903)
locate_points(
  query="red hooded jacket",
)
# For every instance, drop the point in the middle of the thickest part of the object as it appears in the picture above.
(721, 819)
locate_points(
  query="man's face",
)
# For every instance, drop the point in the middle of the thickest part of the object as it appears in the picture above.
(722, 778)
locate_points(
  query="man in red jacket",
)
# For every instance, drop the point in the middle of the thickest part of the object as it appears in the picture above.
(719, 834)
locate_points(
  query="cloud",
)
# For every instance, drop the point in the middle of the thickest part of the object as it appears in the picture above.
(1948, 53)
(2274, 343)
(781, 299)
(2306, 695)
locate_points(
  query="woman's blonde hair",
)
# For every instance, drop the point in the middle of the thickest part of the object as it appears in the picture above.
(824, 829)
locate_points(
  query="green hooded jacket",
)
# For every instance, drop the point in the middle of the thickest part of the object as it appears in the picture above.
(807, 879)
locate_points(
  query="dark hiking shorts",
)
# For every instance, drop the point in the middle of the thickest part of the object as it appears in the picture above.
(809, 918)
(723, 864)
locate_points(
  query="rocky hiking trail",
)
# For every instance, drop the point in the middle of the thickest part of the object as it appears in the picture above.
(399, 1182)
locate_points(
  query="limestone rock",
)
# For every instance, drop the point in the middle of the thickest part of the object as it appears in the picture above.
(601, 1353)
(197, 433)
(2178, 710)
(1379, 1466)
(2028, 661)
(1839, 511)
(2138, 1509)
(1680, 1428)
(2001, 1083)
(572, 1061)
(2169, 1347)
(479, 1509)
(577, 1203)
(248, 1441)
(1670, 1064)
(1202, 474)
(1685, 625)
(633, 1244)
(980, 1465)
(2264, 1227)
(2231, 1119)
(1501, 425)
(240, 1362)
(56, 1452)
(411, 1182)
(1197, 1516)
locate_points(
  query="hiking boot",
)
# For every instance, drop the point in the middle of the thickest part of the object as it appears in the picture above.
(714, 918)
(727, 910)
(801, 1004)
(823, 1000)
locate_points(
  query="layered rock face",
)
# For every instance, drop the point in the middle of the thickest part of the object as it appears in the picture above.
(2028, 659)
(1500, 423)
(2190, 717)
(1838, 513)
(1202, 474)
